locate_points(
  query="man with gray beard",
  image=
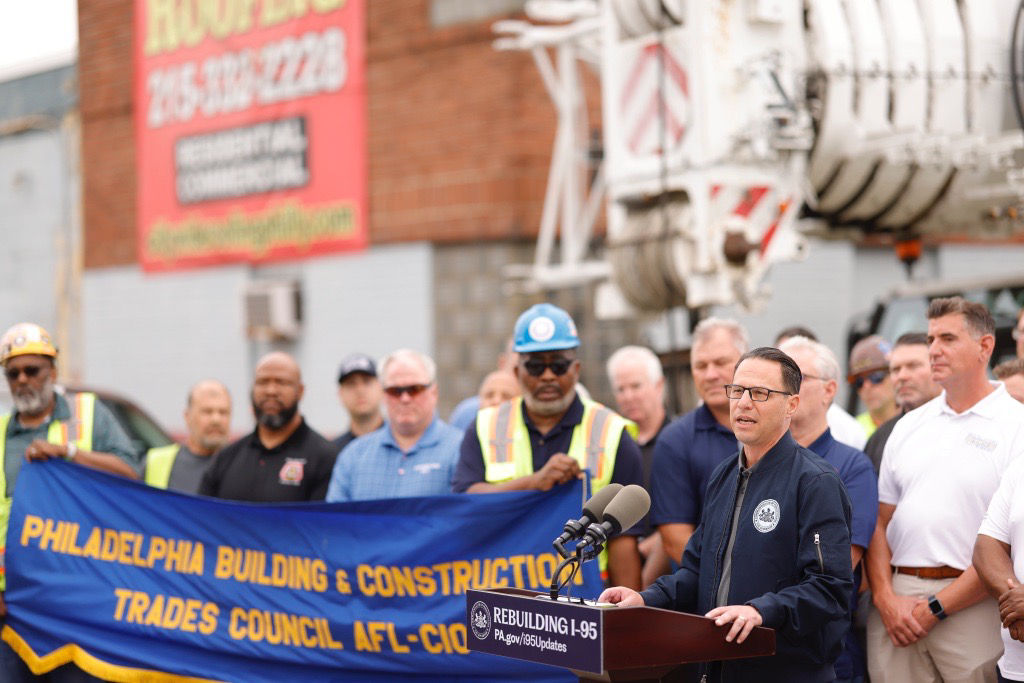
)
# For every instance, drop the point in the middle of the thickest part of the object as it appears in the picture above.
(282, 460)
(549, 436)
(46, 424)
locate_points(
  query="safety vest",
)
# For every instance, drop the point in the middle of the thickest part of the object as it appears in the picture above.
(159, 462)
(77, 430)
(505, 444)
(865, 421)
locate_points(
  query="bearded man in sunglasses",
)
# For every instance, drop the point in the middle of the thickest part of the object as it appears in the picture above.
(414, 453)
(550, 436)
(46, 424)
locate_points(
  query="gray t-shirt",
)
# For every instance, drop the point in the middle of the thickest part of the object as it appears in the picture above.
(107, 437)
(187, 471)
(726, 581)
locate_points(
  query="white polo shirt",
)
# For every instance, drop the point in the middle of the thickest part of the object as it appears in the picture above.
(940, 469)
(1005, 522)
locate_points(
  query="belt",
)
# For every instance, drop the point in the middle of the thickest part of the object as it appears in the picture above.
(930, 572)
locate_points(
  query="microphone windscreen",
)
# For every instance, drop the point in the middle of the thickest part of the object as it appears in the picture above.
(629, 507)
(594, 508)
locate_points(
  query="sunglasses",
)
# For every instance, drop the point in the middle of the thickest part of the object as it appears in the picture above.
(413, 390)
(536, 368)
(30, 371)
(876, 377)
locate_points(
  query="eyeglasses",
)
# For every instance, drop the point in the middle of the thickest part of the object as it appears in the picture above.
(559, 366)
(31, 372)
(876, 377)
(413, 390)
(759, 394)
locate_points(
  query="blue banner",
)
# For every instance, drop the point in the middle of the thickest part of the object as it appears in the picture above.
(134, 583)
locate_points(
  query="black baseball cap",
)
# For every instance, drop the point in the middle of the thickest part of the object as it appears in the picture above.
(356, 362)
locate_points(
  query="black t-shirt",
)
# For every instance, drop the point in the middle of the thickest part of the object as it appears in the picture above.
(297, 470)
(647, 460)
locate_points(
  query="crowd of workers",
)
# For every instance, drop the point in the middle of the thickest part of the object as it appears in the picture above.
(863, 540)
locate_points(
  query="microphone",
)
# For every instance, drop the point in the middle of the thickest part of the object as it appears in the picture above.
(593, 510)
(625, 510)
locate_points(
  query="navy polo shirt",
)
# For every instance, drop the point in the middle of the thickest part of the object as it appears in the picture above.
(470, 469)
(858, 478)
(685, 454)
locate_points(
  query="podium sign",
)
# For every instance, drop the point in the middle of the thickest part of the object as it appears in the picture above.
(602, 643)
(536, 629)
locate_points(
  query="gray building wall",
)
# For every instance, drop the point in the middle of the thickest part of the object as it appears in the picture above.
(152, 336)
(39, 199)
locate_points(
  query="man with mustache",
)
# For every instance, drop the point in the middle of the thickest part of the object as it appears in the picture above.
(282, 460)
(180, 467)
(46, 424)
(549, 436)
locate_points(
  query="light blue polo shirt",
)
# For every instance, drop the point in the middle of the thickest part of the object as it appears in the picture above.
(373, 466)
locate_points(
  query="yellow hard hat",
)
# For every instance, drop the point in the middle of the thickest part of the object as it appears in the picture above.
(24, 339)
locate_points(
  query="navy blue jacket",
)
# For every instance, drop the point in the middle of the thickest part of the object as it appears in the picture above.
(790, 561)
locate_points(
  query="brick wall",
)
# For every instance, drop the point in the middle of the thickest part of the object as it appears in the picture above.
(460, 135)
(108, 144)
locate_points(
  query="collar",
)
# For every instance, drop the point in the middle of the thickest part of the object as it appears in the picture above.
(572, 417)
(985, 408)
(823, 443)
(431, 437)
(775, 454)
(299, 433)
(704, 419)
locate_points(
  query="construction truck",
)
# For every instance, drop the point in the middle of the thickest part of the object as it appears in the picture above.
(734, 129)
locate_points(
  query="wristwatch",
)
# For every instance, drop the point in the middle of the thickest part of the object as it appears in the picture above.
(71, 451)
(936, 607)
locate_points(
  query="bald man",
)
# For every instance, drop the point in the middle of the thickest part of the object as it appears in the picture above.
(498, 387)
(208, 419)
(282, 460)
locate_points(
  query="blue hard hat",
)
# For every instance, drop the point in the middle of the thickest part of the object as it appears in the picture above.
(544, 327)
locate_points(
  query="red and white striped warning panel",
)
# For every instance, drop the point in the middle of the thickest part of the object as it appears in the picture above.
(654, 103)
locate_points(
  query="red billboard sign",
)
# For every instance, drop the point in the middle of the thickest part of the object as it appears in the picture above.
(250, 128)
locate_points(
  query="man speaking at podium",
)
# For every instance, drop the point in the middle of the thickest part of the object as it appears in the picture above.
(773, 547)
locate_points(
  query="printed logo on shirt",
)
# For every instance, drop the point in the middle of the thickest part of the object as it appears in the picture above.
(426, 467)
(766, 515)
(292, 471)
(981, 442)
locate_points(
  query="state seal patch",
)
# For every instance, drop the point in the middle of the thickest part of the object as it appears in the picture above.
(480, 620)
(766, 515)
(541, 329)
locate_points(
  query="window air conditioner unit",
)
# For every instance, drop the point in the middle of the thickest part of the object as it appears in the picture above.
(273, 310)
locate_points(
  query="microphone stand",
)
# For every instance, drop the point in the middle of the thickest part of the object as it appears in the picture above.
(575, 559)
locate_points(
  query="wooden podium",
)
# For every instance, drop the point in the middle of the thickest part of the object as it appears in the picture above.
(602, 643)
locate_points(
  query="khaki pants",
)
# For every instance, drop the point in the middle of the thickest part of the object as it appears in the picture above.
(963, 648)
